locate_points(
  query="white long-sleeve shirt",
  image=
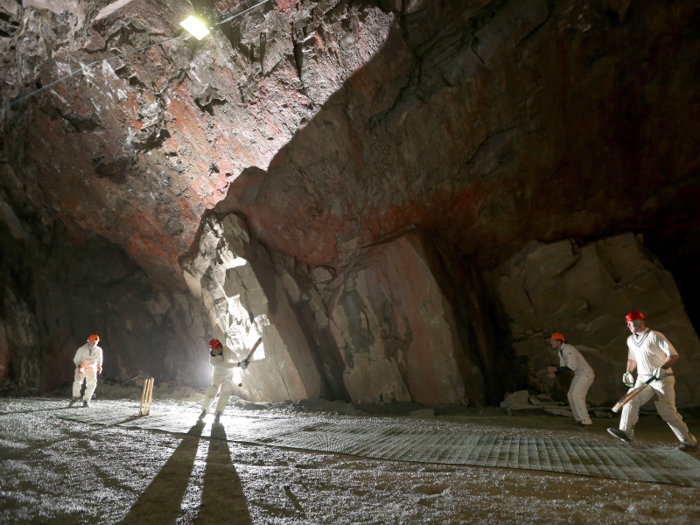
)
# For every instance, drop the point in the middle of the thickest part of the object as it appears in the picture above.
(649, 349)
(90, 358)
(223, 363)
(571, 358)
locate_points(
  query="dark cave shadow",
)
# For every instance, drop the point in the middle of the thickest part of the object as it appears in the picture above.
(223, 499)
(162, 499)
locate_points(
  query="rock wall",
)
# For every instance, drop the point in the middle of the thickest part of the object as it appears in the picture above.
(236, 281)
(403, 321)
(394, 317)
(331, 129)
(584, 292)
(52, 298)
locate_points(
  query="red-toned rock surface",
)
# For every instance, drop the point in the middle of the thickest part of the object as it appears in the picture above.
(330, 126)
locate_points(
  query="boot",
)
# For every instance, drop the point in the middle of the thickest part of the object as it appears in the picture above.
(72, 402)
(687, 447)
(217, 419)
(620, 434)
(202, 415)
(86, 404)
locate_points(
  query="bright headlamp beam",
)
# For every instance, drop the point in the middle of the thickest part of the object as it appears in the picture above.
(196, 28)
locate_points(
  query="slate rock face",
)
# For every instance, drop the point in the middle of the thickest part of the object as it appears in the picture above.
(585, 292)
(223, 275)
(136, 148)
(394, 319)
(332, 130)
(402, 322)
(52, 300)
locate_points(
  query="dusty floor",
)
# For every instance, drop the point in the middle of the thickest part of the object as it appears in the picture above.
(59, 471)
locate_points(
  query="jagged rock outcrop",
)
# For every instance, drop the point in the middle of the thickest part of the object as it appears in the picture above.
(327, 127)
(235, 279)
(585, 292)
(405, 320)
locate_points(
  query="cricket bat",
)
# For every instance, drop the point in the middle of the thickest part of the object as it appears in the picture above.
(250, 354)
(255, 347)
(631, 395)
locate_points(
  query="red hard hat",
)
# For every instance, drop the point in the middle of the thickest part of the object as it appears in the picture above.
(634, 314)
(557, 335)
(214, 343)
(95, 338)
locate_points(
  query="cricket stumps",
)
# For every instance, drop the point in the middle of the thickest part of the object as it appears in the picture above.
(146, 396)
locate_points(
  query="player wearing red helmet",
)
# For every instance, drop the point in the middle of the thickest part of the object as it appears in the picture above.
(652, 356)
(223, 360)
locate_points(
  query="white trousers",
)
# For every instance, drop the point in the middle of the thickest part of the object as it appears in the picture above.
(666, 407)
(577, 396)
(90, 376)
(226, 386)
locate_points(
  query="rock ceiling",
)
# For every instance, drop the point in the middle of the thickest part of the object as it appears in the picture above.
(333, 125)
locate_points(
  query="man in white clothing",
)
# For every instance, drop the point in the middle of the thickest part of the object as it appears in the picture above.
(651, 354)
(571, 358)
(88, 363)
(222, 359)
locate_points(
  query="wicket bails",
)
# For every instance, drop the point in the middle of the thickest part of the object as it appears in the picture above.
(146, 396)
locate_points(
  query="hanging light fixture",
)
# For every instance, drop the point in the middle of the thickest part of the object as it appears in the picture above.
(195, 27)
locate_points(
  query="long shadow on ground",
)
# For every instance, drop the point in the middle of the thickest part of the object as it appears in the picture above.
(161, 501)
(223, 500)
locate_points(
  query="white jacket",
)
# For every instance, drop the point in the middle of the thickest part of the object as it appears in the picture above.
(572, 358)
(90, 358)
(224, 364)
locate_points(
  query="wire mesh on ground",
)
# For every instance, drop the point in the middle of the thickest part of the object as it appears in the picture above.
(421, 442)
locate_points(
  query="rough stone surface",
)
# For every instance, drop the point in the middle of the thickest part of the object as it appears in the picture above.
(51, 301)
(584, 292)
(331, 127)
(222, 274)
(402, 322)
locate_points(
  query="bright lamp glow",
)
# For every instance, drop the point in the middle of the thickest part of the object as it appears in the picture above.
(196, 28)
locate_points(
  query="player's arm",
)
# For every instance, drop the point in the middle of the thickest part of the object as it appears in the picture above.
(670, 361)
(228, 359)
(78, 359)
(668, 349)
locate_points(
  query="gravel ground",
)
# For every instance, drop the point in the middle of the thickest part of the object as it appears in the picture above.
(61, 471)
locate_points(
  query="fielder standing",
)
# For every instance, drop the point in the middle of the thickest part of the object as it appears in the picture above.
(88, 363)
(651, 355)
(571, 358)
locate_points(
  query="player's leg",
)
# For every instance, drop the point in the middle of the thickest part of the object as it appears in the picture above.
(77, 384)
(209, 397)
(666, 406)
(91, 384)
(577, 397)
(226, 389)
(630, 412)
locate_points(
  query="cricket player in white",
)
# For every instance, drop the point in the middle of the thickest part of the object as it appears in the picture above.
(651, 354)
(571, 358)
(88, 363)
(222, 359)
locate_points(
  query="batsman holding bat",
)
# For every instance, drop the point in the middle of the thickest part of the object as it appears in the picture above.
(650, 353)
(223, 360)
